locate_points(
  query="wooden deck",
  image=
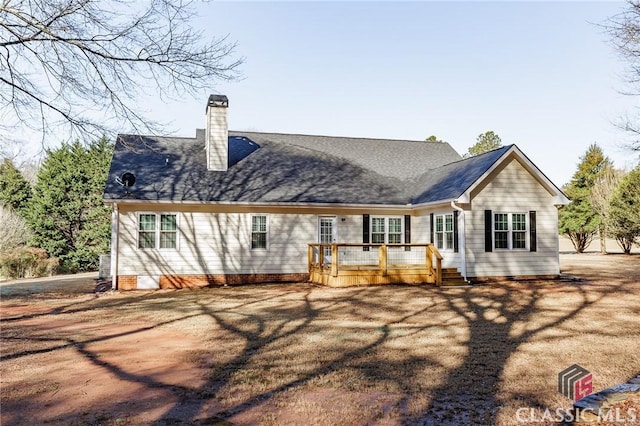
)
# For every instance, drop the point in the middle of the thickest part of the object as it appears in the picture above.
(348, 264)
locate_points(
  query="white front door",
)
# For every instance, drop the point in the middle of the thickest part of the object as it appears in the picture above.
(327, 232)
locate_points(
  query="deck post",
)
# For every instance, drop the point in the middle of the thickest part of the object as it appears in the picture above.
(320, 257)
(310, 257)
(382, 259)
(429, 259)
(439, 271)
(334, 260)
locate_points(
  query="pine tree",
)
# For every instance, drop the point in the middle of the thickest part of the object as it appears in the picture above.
(624, 211)
(66, 213)
(485, 142)
(15, 191)
(433, 138)
(578, 220)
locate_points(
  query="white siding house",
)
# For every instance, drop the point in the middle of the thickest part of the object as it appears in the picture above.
(237, 207)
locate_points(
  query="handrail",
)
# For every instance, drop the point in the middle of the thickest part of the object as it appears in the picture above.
(372, 244)
(379, 259)
(438, 271)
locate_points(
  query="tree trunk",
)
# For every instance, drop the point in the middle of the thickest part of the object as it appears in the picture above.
(603, 239)
(625, 244)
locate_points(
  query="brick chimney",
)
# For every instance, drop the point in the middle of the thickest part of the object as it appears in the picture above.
(217, 133)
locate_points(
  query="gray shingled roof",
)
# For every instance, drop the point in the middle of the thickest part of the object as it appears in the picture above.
(269, 167)
(451, 180)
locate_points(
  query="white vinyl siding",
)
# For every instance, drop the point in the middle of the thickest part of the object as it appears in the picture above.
(501, 195)
(220, 243)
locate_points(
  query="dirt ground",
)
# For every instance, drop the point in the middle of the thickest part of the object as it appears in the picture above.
(303, 354)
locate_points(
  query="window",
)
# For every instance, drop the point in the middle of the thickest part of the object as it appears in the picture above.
(510, 231)
(168, 231)
(519, 231)
(258, 232)
(157, 231)
(444, 231)
(386, 230)
(501, 229)
(377, 230)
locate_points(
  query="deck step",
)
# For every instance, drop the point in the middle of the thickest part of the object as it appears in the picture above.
(451, 277)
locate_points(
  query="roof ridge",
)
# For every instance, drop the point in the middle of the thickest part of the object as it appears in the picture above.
(338, 137)
(476, 156)
(154, 136)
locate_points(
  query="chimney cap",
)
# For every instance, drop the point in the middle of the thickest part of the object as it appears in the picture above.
(220, 101)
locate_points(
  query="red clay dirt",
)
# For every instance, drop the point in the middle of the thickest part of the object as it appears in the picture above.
(62, 364)
(76, 376)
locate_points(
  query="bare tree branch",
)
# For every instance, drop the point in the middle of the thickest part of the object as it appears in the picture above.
(624, 30)
(81, 65)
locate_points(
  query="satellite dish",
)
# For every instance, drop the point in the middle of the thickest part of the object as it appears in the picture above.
(128, 179)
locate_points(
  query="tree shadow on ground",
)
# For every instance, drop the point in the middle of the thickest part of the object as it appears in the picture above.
(439, 355)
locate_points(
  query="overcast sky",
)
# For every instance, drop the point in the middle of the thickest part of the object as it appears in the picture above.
(541, 75)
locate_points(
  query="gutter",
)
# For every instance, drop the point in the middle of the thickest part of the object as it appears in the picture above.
(115, 234)
(463, 242)
(404, 207)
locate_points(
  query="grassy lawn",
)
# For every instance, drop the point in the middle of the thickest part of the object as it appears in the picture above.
(303, 354)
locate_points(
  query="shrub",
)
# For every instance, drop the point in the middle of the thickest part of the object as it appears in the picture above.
(14, 231)
(27, 262)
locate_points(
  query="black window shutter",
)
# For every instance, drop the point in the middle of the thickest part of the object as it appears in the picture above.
(488, 241)
(455, 231)
(407, 232)
(533, 242)
(365, 231)
(431, 228)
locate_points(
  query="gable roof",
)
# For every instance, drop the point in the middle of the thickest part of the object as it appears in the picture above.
(283, 168)
(453, 179)
(269, 167)
(401, 159)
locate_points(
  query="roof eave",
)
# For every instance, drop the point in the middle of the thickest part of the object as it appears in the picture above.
(260, 204)
(435, 203)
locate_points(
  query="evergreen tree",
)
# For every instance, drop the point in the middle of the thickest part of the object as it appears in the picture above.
(15, 191)
(578, 220)
(433, 138)
(624, 211)
(485, 142)
(66, 213)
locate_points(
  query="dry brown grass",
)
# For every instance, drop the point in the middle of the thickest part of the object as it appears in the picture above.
(302, 354)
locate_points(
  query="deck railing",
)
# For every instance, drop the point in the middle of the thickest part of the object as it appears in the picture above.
(332, 258)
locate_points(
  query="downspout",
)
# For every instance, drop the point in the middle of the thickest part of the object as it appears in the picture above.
(462, 242)
(115, 229)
